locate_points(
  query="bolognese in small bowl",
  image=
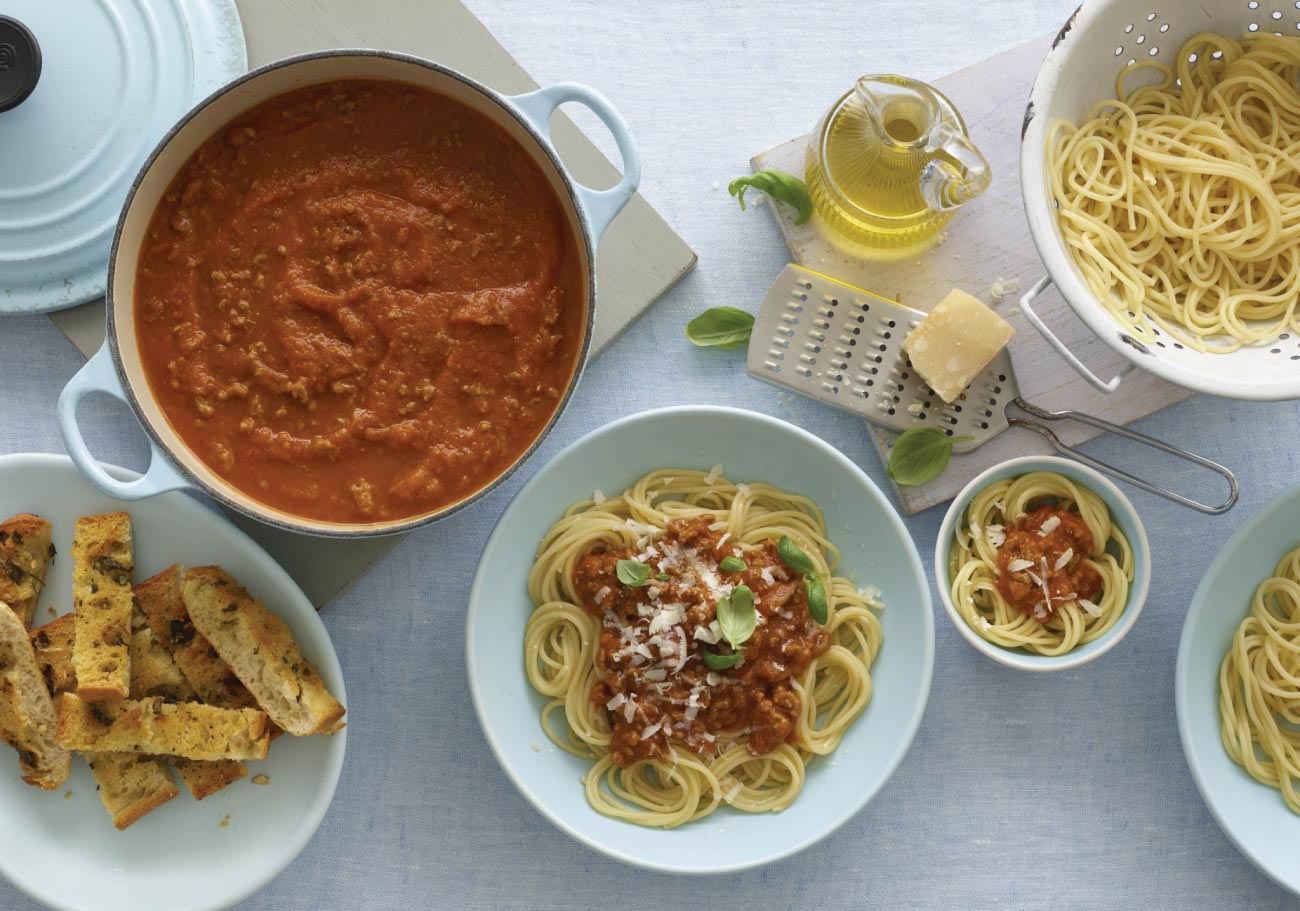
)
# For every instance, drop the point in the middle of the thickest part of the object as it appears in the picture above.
(1042, 563)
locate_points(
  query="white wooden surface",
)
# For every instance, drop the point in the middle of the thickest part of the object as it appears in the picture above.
(639, 258)
(987, 240)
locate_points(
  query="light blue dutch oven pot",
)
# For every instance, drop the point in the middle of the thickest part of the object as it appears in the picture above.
(116, 368)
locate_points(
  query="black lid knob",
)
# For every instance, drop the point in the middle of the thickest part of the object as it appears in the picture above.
(20, 63)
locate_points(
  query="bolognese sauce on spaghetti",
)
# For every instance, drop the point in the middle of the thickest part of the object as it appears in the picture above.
(1037, 563)
(694, 645)
(651, 638)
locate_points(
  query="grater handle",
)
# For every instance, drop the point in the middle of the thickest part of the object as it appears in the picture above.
(1142, 438)
(1027, 308)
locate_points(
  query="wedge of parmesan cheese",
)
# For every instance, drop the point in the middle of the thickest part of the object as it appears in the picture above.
(955, 342)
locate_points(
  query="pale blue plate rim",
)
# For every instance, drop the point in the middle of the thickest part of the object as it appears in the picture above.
(1238, 541)
(849, 808)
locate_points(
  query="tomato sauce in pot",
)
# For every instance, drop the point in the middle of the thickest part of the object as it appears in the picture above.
(359, 302)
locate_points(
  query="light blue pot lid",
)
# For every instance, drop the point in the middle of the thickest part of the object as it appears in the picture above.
(115, 76)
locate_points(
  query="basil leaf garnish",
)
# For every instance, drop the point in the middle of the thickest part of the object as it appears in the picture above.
(721, 327)
(733, 564)
(720, 662)
(817, 599)
(663, 577)
(631, 573)
(793, 556)
(779, 185)
(920, 455)
(737, 616)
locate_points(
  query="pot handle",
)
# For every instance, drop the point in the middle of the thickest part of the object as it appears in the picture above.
(1026, 307)
(600, 206)
(99, 376)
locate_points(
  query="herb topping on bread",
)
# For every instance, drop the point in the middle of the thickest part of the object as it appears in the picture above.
(103, 562)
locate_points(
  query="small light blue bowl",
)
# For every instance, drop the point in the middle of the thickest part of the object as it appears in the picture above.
(1252, 815)
(1122, 514)
(876, 548)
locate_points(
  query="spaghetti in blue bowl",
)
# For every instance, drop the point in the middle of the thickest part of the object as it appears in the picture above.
(689, 621)
(1042, 563)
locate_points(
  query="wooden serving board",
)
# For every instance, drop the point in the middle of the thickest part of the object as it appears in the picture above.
(987, 240)
(640, 256)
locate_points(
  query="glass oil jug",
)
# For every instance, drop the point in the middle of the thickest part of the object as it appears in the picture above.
(888, 166)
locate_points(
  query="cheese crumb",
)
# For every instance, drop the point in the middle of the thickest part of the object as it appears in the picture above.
(1004, 287)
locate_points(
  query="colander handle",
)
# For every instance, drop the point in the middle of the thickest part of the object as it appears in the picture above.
(1027, 307)
(1043, 414)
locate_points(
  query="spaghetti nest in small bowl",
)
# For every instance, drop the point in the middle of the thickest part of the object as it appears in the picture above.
(1042, 563)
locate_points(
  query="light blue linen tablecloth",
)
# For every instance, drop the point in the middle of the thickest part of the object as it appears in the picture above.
(1026, 792)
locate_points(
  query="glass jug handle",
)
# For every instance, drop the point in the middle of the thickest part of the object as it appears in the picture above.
(956, 174)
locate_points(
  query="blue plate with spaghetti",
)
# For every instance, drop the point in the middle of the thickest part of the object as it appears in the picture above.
(1252, 815)
(876, 551)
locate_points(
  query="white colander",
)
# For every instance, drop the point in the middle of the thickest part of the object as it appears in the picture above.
(1099, 40)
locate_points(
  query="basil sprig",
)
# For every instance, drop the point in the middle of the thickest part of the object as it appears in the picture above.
(920, 455)
(779, 185)
(733, 564)
(792, 555)
(817, 605)
(720, 662)
(721, 327)
(737, 617)
(631, 573)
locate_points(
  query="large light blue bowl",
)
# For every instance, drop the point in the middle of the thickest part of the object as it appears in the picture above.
(876, 550)
(1252, 815)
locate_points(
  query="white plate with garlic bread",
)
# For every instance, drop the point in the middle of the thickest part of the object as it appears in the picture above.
(178, 736)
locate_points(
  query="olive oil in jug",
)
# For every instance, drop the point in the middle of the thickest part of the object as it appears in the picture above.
(889, 165)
